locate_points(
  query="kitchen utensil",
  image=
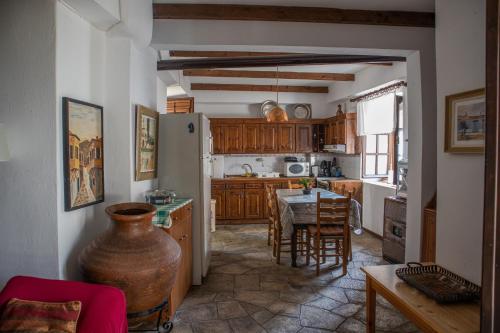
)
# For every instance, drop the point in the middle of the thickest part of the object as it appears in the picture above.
(315, 170)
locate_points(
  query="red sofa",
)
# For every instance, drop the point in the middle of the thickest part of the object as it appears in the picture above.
(104, 308)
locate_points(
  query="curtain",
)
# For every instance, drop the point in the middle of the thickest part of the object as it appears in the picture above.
(377, 115)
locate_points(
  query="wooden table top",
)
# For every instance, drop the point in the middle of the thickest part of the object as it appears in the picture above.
(422, 310)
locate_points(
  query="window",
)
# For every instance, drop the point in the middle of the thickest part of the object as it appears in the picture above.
(376, 155)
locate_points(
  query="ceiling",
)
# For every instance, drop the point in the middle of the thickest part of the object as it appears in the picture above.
(403, 5)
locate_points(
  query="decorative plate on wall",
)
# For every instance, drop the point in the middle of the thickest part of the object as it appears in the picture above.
(302, 111)
(266, 107)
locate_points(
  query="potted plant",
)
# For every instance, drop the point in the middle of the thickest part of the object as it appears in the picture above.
(307, 183)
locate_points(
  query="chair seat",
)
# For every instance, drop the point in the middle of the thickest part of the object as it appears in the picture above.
(327, 230)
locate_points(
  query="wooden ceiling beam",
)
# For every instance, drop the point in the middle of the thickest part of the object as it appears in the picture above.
(258, 87)
(272, 61)
(269, 75)
(223, 54)
(292, 14)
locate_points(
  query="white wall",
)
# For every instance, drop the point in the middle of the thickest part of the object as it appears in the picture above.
(373, 206)
(460, 60)
(417, 44)
(28, 182)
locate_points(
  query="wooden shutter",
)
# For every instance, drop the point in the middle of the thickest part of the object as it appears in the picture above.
(180, 105)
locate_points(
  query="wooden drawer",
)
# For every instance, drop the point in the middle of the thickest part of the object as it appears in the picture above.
(255, 185)
(235, 186)
(218, 186)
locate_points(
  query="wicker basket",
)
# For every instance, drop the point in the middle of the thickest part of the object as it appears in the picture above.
(439, 283)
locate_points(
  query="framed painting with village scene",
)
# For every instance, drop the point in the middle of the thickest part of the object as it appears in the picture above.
(83, 154)
(146, 143)
(465, 122)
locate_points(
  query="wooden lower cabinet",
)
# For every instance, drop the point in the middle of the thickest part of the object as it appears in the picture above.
(254, 204)
(181, 231)
(351, 185)
(235, 204)
(220, 203)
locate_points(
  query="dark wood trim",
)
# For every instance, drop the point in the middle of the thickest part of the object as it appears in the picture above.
(270, 74)
(373, 234)
(223, 54)
(490, 307)
(258, 87)
(292, 14)
(272, 61)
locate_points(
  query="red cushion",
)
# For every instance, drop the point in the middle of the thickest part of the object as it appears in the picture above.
(103, 309)
(33, 316)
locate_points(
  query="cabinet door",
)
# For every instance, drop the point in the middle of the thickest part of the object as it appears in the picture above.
(218, 138)
(251, 138)
(233, 138)
(340, 132)
(254, 204)
(176, 295)
(286, 138)
(235, 208)
(220, 204)
(303, 142)
(188, 244)
(269, 138)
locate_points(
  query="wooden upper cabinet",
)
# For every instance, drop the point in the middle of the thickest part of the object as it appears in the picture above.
(180, 105)
(251, 138)
(268, 138)
(303, 138)
(233, 138)
(286, 138)
(218, 138)
(340, 130)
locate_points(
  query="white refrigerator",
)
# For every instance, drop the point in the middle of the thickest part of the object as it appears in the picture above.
(184, 166)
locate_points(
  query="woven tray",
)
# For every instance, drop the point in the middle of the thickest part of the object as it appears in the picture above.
(439, 283)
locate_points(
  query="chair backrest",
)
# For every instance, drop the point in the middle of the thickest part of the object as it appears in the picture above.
(292, 186)
(272, 203)
(333, 211)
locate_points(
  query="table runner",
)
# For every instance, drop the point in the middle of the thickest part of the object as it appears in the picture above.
(162, 218)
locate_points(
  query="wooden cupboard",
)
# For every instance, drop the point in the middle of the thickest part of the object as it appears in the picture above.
(355, 186)
(286, 138)
(181, 231)
(233, 138)
(243, 200)
(251, 138)
(218, 138)
(268, 138)
(180, 105)
(303, 138)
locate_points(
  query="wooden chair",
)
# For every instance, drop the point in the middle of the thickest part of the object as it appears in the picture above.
(292, 186)
(340, 189)
(332, 227)
(270, 223)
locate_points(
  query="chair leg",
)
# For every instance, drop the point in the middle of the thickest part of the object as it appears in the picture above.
(323, 250)
(316, 250)
(278, 248)
(337, 251)
(275, 232)
(300, 241)
(350, 247)
(308, 247)
(345, 255)
(269, 230)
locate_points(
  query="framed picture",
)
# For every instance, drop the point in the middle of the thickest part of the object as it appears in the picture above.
(146, 143)
(465, 122)
(83, 154)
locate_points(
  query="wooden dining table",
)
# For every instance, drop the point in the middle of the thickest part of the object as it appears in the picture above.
(297, 210)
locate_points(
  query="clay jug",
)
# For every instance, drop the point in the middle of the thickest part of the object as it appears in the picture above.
(134, 256)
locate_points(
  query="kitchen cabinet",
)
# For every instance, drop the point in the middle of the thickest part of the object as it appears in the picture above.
(251, 138)
(254, 204)
(181, 231)
(286, 138)
(235, 204)
(220, 203)
(218, 138)
(304, 137)
(268, 138)
(180, 105)
(354, 186)
(233, 139)
(347, 133)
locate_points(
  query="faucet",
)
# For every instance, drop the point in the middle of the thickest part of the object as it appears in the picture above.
(244, 165)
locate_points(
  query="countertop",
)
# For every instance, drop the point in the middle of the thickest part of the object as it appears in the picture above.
(255, 179)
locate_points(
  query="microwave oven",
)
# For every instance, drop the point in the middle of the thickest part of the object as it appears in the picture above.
(296, 169)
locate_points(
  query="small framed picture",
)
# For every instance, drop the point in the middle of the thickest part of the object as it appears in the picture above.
(146, 143)
(465, 122)
(83, 154)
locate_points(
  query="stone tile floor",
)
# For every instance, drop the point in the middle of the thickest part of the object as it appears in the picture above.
(246, 291)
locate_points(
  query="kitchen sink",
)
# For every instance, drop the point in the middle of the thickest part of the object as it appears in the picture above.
(253, 175)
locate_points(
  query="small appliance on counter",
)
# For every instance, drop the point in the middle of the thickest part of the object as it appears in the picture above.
(335, 148)
(296, 169)
(291, 159)
(160, 197)
(315, 170)
(266, 174)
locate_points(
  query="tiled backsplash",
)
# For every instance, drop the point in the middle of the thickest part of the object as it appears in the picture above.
(350, 164)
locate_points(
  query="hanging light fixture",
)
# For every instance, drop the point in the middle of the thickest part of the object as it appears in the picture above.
(277, 113)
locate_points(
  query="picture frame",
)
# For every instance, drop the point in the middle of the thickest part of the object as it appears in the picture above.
(83, 154)
(146, 143)
(465, 122)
